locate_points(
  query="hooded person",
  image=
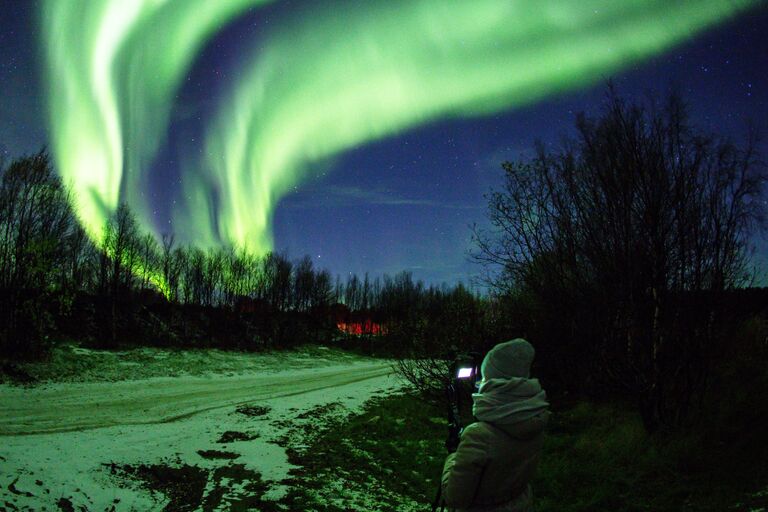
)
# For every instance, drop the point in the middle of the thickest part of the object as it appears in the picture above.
(497, 456)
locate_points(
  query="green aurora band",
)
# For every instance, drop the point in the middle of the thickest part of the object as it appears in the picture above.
(113, 67)
(328, 79)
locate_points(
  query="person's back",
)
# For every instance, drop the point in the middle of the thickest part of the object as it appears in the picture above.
(498, 455)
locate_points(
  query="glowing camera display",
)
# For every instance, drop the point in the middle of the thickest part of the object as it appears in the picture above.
(465, 372)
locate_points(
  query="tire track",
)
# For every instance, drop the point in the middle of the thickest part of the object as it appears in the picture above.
(83, 406)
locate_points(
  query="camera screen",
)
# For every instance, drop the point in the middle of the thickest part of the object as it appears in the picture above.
(464, 373)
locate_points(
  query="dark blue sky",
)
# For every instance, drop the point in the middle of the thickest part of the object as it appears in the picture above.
(406, 202)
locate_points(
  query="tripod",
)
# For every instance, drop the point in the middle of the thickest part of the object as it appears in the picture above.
(452, 442)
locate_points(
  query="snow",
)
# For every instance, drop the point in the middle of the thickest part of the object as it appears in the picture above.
(84, 427)
(69, 363)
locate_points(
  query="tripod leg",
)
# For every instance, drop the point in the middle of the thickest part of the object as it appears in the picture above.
(438, 498)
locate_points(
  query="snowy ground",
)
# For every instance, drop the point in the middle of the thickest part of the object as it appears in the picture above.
(69, 363)
(101, 445)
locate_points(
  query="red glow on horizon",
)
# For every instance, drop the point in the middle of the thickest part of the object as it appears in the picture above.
(360, 328)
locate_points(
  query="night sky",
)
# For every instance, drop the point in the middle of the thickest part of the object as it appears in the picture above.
(403, 200)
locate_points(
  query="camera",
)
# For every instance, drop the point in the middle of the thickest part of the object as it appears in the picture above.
(464, 374)
(465, 367)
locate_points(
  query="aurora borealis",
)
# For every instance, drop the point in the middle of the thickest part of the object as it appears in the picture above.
(322, 84)
(324, 80)
(113, 67)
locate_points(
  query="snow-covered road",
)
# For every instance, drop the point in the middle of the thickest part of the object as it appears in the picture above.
(66, 407)
(60, 443)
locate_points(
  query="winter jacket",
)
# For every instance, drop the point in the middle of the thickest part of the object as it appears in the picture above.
(493, 465)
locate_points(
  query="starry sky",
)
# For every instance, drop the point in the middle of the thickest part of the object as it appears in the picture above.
(403, 200)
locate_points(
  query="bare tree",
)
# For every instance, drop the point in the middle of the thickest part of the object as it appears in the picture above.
(167, 263)
(213, 277)
(276, 273)
(321, 292)
(352, 293)
(149, 258)
(194, 276)
(303, 284)
(121, 241)
(80, 270)
(338, 289)
(121, 245)
(35, 218)
(446, 322)
(627, 237)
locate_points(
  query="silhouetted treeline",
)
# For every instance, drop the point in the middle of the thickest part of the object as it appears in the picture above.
(134, 289)
(615, 255)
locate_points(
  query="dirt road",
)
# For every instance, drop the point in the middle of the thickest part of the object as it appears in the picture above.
(82, 406)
